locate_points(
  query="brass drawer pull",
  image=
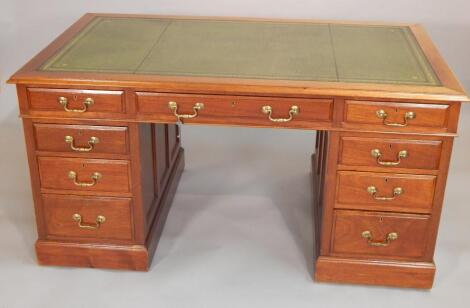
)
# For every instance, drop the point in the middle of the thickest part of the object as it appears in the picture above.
(382, 114)
(90, 226)
(372, 190)
(94, 177)
(91, 142)
(174, 107)
(294, 110)
(390, 237)
(86, 103)
(377, 154)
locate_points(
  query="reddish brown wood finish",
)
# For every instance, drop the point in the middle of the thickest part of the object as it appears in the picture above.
(59, 209)
(163, 140)
(416, 197)
(237, 110)
(349, 225)
(45, 102)
(422, 154)
(389, 273)
(141, 162)
(54, 174)
(428, 117)
(393, 267)
(160, 154)
(108, 253)
(132, 257)
(51, 138)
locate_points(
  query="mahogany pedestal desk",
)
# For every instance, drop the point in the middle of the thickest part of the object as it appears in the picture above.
(102, 103)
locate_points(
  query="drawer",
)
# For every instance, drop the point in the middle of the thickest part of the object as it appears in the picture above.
(390, 153)
(397, 116)
(75, 103)
(81, 138)
(87, 217)
(94, 175)
(385, 192)
(380, 234)
(241, 110)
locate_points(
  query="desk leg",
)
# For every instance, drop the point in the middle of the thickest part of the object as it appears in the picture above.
(342, 254)
(156, 164)
(168, 164)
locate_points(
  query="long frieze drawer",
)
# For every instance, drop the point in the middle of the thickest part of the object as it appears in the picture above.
(75, 103)
(81, 138)
(385, 192)
(380, 234)
(95, 175)
(263, 111)
(390, 153)
(87, 217)
(397, 116)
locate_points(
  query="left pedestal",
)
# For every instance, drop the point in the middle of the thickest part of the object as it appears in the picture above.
(102, 190)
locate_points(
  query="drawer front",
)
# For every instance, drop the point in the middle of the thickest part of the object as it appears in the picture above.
(75, 103)
(296, 112)
(97, 175)
(390, 153)
(380, 234)
(385, 192)
(397, 116)
(81, 139)
(87, 217)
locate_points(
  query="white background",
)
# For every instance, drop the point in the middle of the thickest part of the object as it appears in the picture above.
(239, 232)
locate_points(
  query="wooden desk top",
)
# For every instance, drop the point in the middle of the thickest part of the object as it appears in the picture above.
(302, 57)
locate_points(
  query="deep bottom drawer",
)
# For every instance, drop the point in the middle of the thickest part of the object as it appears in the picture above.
(87, 217)
(380, 234)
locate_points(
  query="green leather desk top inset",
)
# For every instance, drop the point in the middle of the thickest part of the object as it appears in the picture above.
(246, 49)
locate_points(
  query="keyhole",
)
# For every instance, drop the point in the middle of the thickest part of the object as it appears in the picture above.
(386, 180)
(75, 97)
(390, 146)
(233, 104)
(381, 219)
(80, 132)
(396, 109)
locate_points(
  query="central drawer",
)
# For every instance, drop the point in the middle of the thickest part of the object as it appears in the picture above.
(236, 110)
(84, 175)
